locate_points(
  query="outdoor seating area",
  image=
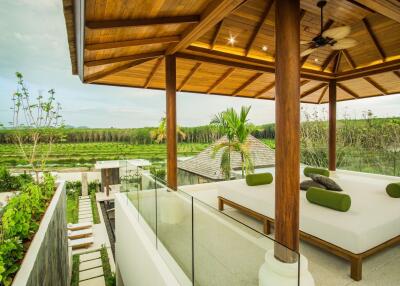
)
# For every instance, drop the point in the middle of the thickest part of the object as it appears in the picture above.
(289, 51)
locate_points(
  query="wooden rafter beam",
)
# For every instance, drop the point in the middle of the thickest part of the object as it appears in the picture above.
(337, 62)
(233, 60)
(374, 39)
(349, 59)
(190, 74)
(247, 83)
(217, 11)
(95, 63)
(108, 72)
(328, 60)
(216, 33)
(260, 24)
(322, 94)
(302, 14)
(327, 25)
(265, 90)
(190, 19)
(347, 90)
(369, 70)
(314, 89)
(220, 80)
(153, 71)
(397, 73)
(388, 8)
(132, 43)
(376, 85)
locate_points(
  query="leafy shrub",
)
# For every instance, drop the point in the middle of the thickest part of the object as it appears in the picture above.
(12, 183)
(11, 252)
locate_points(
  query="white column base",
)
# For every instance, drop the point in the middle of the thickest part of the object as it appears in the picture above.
(274, 272)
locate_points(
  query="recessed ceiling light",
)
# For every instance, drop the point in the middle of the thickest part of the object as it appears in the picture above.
(316, 60)
(231, 40)
(264, 48)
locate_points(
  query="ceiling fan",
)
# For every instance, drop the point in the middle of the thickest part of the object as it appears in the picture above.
(334, 37)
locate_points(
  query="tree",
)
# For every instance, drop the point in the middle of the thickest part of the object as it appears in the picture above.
(36, 121)
(237, 129)
(160, 134)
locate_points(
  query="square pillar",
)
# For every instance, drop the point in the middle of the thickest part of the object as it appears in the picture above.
(332, 125)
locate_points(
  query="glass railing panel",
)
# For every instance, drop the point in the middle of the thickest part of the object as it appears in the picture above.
(147, 203)
(228, 252)
(174, 232)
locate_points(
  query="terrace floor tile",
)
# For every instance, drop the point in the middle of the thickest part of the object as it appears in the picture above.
(98, 281)
(90, 264)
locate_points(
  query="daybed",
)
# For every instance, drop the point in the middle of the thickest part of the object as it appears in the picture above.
(372, 223)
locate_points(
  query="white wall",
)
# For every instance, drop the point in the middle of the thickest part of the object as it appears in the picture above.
(138, 261)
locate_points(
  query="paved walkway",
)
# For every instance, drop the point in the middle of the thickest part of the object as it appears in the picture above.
(91, 269)
(85, 210)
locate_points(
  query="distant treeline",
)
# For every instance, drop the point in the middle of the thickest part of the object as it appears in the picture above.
(200, 134)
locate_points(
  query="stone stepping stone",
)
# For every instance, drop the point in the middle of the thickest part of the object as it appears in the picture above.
(84, 208)
(84, 197)
(89, 256)
(98, 281)
(90, 264)
(85, 212)
(85, 216)
(91, 273)
(84, 204)
(86, 220)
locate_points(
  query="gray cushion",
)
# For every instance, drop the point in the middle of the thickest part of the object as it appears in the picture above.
(327, 182)
(310, 183)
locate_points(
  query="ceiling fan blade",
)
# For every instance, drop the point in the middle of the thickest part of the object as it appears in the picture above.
(337, 33)
(305, 42)
(345, 43)
(307, 52)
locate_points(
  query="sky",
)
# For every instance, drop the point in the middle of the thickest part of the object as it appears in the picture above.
(34, 42)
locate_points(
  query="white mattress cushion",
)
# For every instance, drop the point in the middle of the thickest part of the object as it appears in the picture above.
(373, 218)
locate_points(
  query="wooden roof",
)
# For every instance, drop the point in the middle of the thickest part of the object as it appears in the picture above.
(122, 43)
(205, 165)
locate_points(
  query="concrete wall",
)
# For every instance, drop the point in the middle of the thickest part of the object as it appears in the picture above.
(46, 262)
(137, 259)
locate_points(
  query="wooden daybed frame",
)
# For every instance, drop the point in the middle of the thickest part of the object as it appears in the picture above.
(354, 259)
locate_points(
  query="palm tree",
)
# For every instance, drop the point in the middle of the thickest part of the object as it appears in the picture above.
(236, 128)
(160, 134)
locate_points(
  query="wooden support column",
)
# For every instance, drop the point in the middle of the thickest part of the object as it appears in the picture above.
(332, 125)
(170, 87)
(287, 114)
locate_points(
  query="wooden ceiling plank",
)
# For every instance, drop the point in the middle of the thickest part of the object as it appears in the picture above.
(213, 14)
(376, 85)
(322, 94)
(107, 72)
(387, 8)
(347, 90)
(221, 80)
(95, 63)
(327, 25)
(314, 89)
(260, 24)
(328, 60)
(265, 90)
(349, 59)
(337, 62)
(188, 19)
(369, 70)
(224, 58)
(190, 74)
(132, 43)
(374, 39)
(247, 83)
(153, 71)
(215, 36)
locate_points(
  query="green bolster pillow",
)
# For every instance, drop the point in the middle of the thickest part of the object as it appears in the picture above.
(319, 171)
(329, 199)
(393, 190)
(259, 179)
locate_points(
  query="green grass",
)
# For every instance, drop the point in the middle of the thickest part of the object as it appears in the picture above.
(72, 208)
(95, 211)
(108, 275)
(75, 270)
